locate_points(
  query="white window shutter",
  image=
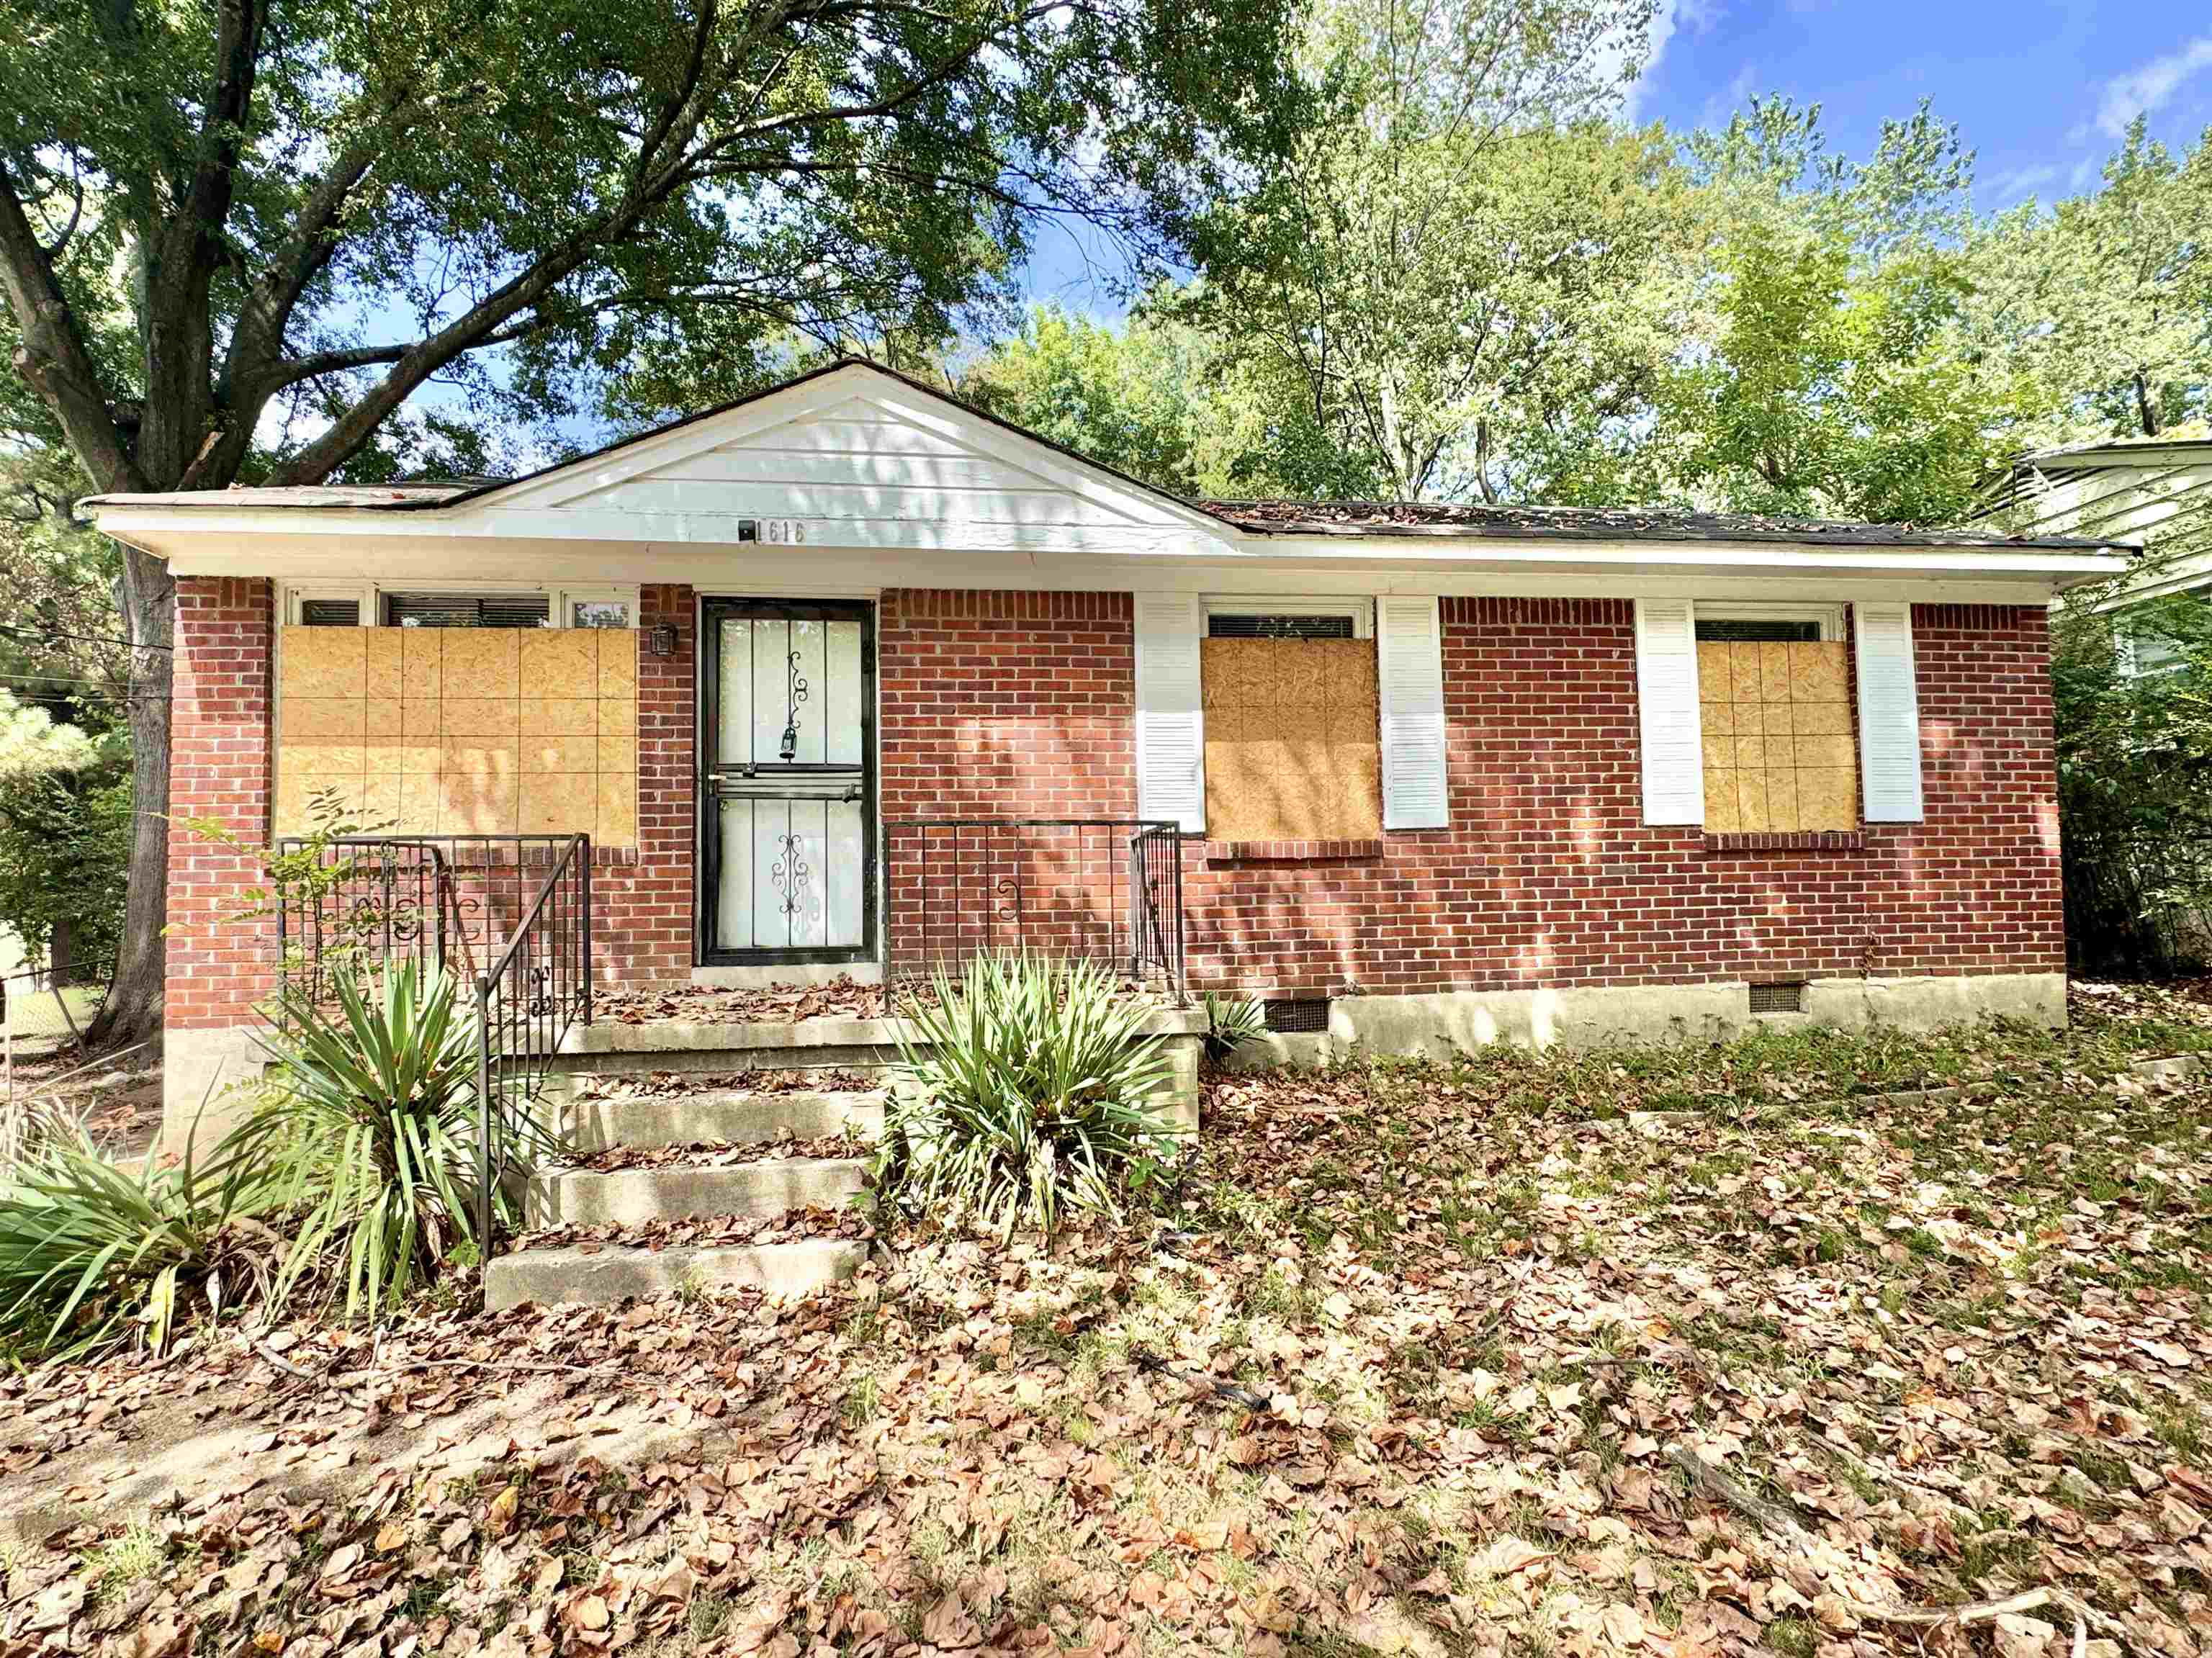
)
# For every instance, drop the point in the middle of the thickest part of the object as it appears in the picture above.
(1171, 716)
(1889, 713)
(1409, 653)
(1667, 705)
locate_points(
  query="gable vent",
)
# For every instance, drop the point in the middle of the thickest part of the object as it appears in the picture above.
(1221, 626)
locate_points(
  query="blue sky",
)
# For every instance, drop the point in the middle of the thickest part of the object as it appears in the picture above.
(2042, 88)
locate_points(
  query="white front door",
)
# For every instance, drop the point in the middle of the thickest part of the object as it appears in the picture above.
(787, 781)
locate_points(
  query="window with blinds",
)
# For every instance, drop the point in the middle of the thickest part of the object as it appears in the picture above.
(330, 613)
(1754, 630)
(467, 611)
(1221, 625)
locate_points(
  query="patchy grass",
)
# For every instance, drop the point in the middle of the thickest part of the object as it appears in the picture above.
(1422, 1358)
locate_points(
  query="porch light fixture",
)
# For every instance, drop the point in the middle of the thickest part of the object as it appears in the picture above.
(661, 641)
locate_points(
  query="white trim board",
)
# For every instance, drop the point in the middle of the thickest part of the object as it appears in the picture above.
(831, 573)
(194, 538)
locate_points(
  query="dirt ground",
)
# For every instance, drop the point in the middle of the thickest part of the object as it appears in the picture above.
(119, 1100)
(1829, 1347)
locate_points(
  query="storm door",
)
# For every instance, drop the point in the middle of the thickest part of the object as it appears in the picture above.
(788, 787)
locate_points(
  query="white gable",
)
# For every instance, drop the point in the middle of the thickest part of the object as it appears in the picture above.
(851, 459)
(861, 462)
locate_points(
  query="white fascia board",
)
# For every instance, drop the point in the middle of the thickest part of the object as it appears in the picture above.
(168, 530)
(1811, 558)
(831, 571)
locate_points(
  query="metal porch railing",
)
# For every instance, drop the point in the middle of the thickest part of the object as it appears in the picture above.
(510, 914)
(1105, 889)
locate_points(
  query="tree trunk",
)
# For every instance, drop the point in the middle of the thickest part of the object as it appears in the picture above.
(2142, 406)
(132, 1012)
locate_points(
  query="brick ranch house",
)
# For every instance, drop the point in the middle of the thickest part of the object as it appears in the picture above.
(1443, 774)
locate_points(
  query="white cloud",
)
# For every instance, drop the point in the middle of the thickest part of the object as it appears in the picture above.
(1734, 96)
(1695, 16)
(2148, 87)
(2010, 186)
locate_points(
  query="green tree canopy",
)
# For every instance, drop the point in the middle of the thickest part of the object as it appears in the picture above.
(1466, 262)
(2100, 309)
(238, 236)
(1833, 379)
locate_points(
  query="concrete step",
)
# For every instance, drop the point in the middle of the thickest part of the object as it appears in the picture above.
(721, 1116)
(668, 1045)
(636, 1196)
(615, 1272)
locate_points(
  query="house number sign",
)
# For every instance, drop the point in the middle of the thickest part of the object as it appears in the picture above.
(784, 531)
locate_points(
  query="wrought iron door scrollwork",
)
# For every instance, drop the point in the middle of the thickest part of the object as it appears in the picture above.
(788, 874)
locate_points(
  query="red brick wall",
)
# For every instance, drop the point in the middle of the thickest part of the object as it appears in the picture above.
(1020, 705)
(218, 770)
(999, 705)
(1006, 705)
(219, 970)
(642, 902)
(989, 698)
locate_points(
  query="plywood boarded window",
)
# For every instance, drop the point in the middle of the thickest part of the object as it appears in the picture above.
(1774, 700)
(1293, 744)
(461, 731)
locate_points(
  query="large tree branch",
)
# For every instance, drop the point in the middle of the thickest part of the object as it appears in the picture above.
(652, 178)
(182, 254)
(223, 124)
(258, 338)
(341, 359)
(50, 353)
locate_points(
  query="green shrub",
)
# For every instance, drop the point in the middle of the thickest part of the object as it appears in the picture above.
(92, 1255)
(1230, 1023)
(372, 1121)
(1027, 1089)
(2134, 783)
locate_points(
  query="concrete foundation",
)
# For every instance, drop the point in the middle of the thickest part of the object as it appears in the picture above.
(202, 1092)
(788, 973)
(1438, 1026)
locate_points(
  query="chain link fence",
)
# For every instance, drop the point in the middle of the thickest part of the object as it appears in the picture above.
(45, 1007)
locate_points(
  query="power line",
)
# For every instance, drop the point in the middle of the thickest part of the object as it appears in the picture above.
(95, 687)
(31, 636)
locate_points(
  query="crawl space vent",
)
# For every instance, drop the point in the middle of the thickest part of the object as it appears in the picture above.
(1784, 996)
(1308, 1014)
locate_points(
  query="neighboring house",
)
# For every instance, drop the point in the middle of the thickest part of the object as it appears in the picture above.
(848, 665)
(2155, 492)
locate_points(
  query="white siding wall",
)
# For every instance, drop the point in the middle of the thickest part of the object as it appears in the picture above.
(858, 464)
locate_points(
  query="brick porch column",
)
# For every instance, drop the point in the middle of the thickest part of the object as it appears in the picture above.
(220, 771)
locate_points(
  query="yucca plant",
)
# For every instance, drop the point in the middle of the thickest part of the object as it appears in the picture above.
(1025, 1089)
(93, 1254)
(1232, 1022)
(373, 1120)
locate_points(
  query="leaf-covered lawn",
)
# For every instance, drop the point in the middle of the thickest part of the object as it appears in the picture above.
(1762, 1347)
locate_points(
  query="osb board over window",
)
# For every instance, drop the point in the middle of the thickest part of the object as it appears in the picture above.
(1779, 753)
(1291, 745)
(459, 731)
